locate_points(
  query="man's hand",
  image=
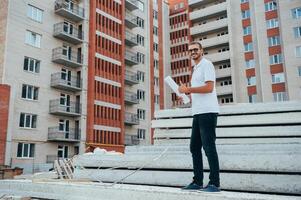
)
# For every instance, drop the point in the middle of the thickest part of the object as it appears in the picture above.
(183, 88)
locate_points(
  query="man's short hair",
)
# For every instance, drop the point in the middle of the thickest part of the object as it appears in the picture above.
(197, 43)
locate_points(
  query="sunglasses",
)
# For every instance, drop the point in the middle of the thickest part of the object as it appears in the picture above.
(193, 50)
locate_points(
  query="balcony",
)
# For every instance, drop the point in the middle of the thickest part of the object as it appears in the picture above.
(71, 59)
(52, 158)
(131, 119)
(72, 109)
(130, 20)
(221, 73)
(211, 11)
(131, 98)
(68, 33)
(131, 78)
(56, 135)
(131, 140)
(69, 10)
(224, 90)
(130, 39)
(209, 27)
(131, 58)
(197, 3)
(218, 57)
(131, 5)
(63, 82)
(216, 41)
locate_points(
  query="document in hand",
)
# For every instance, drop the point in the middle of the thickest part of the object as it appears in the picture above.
(172, 84)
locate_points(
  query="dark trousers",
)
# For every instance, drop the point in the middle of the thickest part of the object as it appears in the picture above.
(203, 135)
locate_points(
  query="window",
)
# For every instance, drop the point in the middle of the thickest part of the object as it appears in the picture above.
(141, 134)
(226, 100)
(140, 76)
(25, 150)
(156, 64)
(140, 5)
(140, 57)
(245, 14)
(250, 63)
(297, 31)
(226, 82)
(140, 22)
(156, 48)
(34, 13)
(280, 96)
(30, 92)
(141, 114)
(272, 23)
(298, 51)
(247, 30)
(155, 1)
(176, 6)
(272, 5)
(33, 39)
(31, 65)
(141, 95)
(249, 47)
(156, 98)
(155, 14)
(296, 12)
(274, 41)
(140, 40)
(28, 120)
(278, 78)
(224, 66)
(155, 30)
(299, 71)
(181, 5)
(244, 1)
(62, 151)
(156, 81)
(251, 80)
(252, 98)
(275, 59)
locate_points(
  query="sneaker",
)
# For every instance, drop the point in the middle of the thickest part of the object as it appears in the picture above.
(211, 188)
(193, 186)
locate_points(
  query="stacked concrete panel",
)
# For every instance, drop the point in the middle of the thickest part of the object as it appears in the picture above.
(258, 146)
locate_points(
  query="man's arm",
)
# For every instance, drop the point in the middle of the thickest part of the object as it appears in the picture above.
(207, 88)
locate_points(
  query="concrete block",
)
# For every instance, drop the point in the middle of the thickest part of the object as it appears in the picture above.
(91, 191)
(232, 181)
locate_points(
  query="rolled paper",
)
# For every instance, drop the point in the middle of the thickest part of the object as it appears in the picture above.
(174, 86)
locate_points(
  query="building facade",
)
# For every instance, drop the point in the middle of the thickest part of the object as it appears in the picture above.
(254, 46)
(126, 50)
(44, 48)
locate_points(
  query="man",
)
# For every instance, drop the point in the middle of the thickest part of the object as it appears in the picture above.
(204, 110)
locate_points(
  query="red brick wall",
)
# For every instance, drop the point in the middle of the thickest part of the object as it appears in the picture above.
(4, 108)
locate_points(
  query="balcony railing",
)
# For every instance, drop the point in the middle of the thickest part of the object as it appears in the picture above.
(131, 20)
(71, 135)
(68, 33)
(60, 55)
(61, 81)
(131, 98)
(131, 140)
(130, 39)
(131, 119)
(131, 58)
(131, 4)
(52, 158)
(70, 10)
(71, 109)
(131, 78)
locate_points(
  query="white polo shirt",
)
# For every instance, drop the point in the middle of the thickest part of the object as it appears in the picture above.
(203, 102)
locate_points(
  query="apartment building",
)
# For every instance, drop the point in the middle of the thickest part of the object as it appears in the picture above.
(180, 64)
(254, 46)
(43, 70)
(126, 52)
